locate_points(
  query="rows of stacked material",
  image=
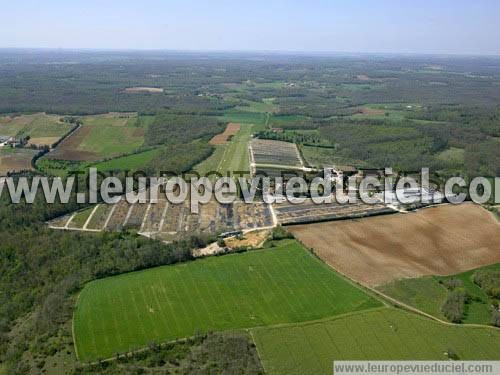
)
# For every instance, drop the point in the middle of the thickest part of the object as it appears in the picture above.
(208, 217)
(252, 216)
(173, 218)
(164, 219)
(156, 213)
(308, 211)
(275, 152)
(118, 217)
(136, 217)
(98, 219)
(285, 172)
(61, 221)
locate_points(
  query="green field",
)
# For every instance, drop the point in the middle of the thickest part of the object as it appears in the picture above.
(428, 295)
(282, 284)
(381, 334)
(244, 117)
(130, 162)
(452, 155)
(267, 105)
(35, 126)
(110, 136)
(232, 156)
(323, 156)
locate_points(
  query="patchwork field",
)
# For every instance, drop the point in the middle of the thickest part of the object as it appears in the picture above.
(15, 159)
(42, 129)
(441, 240)
(232, 156)
(282, 284)
(381, 334)
(102, 137)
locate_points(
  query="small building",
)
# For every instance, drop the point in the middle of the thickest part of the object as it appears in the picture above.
(231, 234)
(345, 170)
(6, 140)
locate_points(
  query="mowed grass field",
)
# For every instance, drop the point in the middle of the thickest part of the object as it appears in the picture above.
(232, 156)
(282, 284)
(380, 334)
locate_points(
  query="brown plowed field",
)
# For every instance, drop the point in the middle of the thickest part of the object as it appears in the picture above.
(222, 138)
(435, 241)
(16, 161)
(68, 149)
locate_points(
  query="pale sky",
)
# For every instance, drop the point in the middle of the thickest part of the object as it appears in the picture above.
(380, 26)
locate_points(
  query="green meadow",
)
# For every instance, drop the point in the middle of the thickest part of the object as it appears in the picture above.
(379, 334)
(281, 284)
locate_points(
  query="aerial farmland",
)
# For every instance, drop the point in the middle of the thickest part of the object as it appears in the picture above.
(265, 287)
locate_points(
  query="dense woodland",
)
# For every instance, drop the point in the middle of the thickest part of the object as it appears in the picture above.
(42, 270)
(94, 82)
(420, 139)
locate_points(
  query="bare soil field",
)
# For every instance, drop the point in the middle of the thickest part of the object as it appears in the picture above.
(367, 111)
(68, 149)
(440, 240)
(138, 90)
(43, 141)
(253, 239)
(363, 77)
(15, 160)
(231, 130)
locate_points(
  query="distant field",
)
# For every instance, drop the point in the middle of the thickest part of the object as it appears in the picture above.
(232, 156)
(441, 240)
(382, 334)
(428, 294)
(277, 285)
(323, 156)
(242, 117)
(138, 90)
(452, 155)
(129, 162)
(266, 105)
(100, 137)
(15, 160)
(41, 128)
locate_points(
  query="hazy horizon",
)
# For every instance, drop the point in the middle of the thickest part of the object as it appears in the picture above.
(323, 27)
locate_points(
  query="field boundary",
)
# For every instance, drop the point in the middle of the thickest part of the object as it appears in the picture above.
(393, 301)
(280, 325)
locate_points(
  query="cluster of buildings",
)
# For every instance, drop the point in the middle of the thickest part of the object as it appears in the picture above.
(6, 140)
